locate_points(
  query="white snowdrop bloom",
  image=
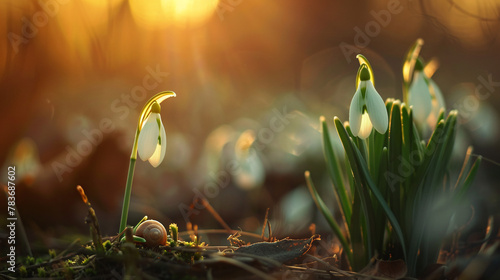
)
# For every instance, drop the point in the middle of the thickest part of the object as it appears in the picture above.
(152, 141)
(367, 109)
(420, 97)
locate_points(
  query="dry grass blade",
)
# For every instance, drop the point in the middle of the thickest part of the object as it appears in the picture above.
(264, 225)
(220, 231)
(215, 215)
(316, 272)
(336, 273)
(118, 236)
(71, 246)
(5, 276)
(92, 221)
(260, 258)
(219, 259)
(331, 267)
(270, 232)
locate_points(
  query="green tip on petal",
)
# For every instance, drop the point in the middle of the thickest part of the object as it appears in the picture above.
(155, 108)
(365, 74)
(419, 64)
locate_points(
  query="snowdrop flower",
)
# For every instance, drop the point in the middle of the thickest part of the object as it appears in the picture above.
(420, 96)
(425, 97)
(367, 108)
(251, 173)
(152, 141)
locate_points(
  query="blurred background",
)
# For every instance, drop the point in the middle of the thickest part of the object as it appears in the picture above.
(252, 78)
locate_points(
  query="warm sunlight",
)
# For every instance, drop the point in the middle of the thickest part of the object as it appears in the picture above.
(162, 13)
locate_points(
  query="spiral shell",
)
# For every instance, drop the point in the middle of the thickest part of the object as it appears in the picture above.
(154, 233)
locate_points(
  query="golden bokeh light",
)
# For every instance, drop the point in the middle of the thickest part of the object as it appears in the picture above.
(162, 13)
(78, 27)
(473, 23)
(468, 28)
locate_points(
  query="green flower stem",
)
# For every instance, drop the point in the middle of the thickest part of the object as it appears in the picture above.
(128, 186)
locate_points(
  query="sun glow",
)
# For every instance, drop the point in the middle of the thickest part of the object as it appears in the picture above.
(161, 13)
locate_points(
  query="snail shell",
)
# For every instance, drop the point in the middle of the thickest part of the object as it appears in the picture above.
(154, 233)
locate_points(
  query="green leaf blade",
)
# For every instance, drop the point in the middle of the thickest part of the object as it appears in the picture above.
(335, 172)
(361, 171)
(328, 216)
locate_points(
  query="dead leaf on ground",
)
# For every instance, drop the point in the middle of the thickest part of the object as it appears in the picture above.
(282, 251)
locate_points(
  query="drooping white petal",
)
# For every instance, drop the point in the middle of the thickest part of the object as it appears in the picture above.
(420, 97)
(355, 111)
(163, 142)
(154, 160)
(161, 147)
(148, 137)
(366, 126)
(376, 108)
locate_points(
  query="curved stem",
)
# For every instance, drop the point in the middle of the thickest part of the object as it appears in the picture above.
(128, 186)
